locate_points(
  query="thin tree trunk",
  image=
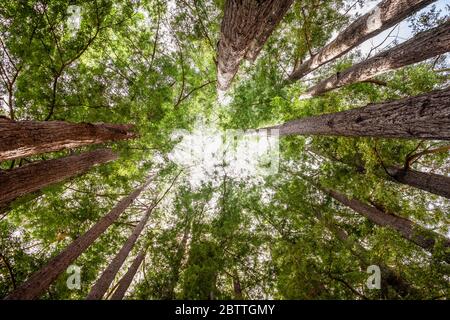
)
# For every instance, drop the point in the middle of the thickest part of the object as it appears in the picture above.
(41, 280)
(422, 117)
(383, 16)
(423, 46)
(388, 276)
(405, 227)
(246, 26)
(237, 286)
(103, 283)
(126, 280)
(26, 138)
(35, 176)
(434, 183)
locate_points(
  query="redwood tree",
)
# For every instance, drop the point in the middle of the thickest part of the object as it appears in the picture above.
(385, 15)
(421, 117)
(246, 26)
(423, 46)
(41, 280)
(26, 138)
(35, 176)
(126, 280)
(405, 227)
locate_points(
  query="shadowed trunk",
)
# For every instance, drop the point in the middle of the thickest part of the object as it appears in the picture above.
(41, 280)
(126, 280)
(421, 117)
(423, 46)
(434, 183)
(103, 283)
(35, 176)
(388, 277)
(383, 16)
(26, 138)
(405, 227)
(246, 26)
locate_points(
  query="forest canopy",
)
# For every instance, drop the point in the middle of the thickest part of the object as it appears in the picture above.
(224, 149)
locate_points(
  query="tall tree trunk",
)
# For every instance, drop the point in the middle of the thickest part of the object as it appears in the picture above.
(405, 227)
(430, 182)
(423, 46)
(41, 280)
(246, 26)
(421, 117)
(26, 138)
(103, 283)
(126, 280)
(33, 177)
(383, 16)
(434, 183)
(388, 276)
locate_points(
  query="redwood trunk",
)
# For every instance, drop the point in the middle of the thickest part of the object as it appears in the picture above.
(383, 16)
(126, 280)
(26, 138)
(423, 46)
(41, 280)
(103, 283)
(407, 229)
(422, 117)
(246, 26)
(389, 276)
(33, 177)
(434, 183)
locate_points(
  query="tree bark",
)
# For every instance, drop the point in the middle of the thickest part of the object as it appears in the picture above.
(434, 183)
(405, 227)
(383, 16)
(33, 177)
(430, 182)
(388, 277)
(246, 26)
(423, 46)
(425, 116)
(126, 280)
(41, 280)
(103, 283)
(26, 138)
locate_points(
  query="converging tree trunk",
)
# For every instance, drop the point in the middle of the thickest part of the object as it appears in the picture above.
(41, 280)
(103, 283)
(383, 16)
(246, 26)
(434, 183)
(35, 176)
(425, 116)
(425, 45)
(126, 280)
(25, 138)
(405, 227)
(389, 277)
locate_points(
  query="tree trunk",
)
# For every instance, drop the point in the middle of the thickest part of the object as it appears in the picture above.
(383, 16)
(237, 286)
(101, 286)
(41, 280)
(246, 26)
(407, 229)
(33, 177)
(388, 276)
(126, 280)
(423, 46)
(26, 138)
(434, 183)
(421, 117)
(430, 182)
